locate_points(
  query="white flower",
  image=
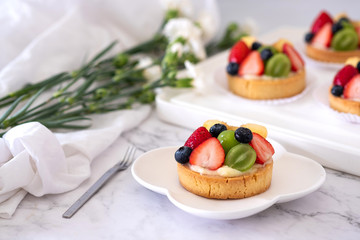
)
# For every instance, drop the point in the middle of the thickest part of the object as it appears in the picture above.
(144, 62)
(152, 73)
(197, 47)
(191, 70)
(197, 76)
(177, 48)
(184, 7)
(182, 27)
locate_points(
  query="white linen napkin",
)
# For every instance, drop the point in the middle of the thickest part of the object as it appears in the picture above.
(37, 161)
(39, 39)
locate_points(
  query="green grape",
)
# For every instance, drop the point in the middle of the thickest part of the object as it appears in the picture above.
(346, 24)
(241, 157)
(227, 140)
(278, 65)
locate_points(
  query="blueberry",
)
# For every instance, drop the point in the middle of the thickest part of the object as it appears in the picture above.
(216, 129)
(232, 68)
(182, 154)
(243, 135)
(255, 46)
(336, 27)
(337, 90)
(266, 54)
(308, 37)
(343, 19)
(358, 66)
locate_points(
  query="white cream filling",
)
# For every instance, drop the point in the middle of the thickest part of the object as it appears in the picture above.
(225, 171)
(265, 77)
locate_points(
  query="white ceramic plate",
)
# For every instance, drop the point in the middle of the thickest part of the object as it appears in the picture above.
(294, 176)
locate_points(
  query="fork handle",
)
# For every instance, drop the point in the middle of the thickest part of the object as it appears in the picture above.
(91, 191)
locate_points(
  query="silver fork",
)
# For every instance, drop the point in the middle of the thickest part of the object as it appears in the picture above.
(121, 165)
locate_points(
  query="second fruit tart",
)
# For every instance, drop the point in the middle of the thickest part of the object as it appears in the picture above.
(333, 39)
(225, 162)
(259, 71)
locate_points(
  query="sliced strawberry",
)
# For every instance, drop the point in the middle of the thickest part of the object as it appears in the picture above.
(210, 154)
(296, 60)
(352, 88)
(197, 137)
(238, 52)
(322, 19)
(343, 76)
(264, 150)
(323, 37)
(252, 64)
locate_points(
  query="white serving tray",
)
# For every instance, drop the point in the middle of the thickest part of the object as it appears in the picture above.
(302, 125)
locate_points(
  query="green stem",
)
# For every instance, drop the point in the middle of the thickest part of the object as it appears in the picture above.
(30, 89)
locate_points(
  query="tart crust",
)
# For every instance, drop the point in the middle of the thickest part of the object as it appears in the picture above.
(268, 89)
(325, 55)
(344, 105)
(218, 187)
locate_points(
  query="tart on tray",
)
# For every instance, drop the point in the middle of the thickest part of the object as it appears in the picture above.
(344, 94)
(333, 40)
(219, 161)
(265, 72)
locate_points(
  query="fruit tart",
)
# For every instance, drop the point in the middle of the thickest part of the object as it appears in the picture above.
(344, 94)
(219, 161)
(333, 39)
(259, 71)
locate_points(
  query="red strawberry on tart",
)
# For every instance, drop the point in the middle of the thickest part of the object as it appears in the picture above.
(333, 39)
(259, 71)
(344, 94)
(233, 163)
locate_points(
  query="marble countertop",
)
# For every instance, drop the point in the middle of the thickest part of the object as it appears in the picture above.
(123, 209)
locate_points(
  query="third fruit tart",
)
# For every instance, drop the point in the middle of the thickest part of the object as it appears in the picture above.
(333, 39)
(225, 162)
(344, 95)
(259, 71)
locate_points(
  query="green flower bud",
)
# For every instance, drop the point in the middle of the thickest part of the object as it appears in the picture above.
(189, 57)
(58, 93)
(101, 93)
(6, 123)
(232, 27)
(181, 40)
(171, 13)
(183, 83)
(120, 60)
(117, 78)
(172, 74)
(75, 74)
(147, 96)
(70, 100)
(92, 107)
(170, 60)
(197, 24)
